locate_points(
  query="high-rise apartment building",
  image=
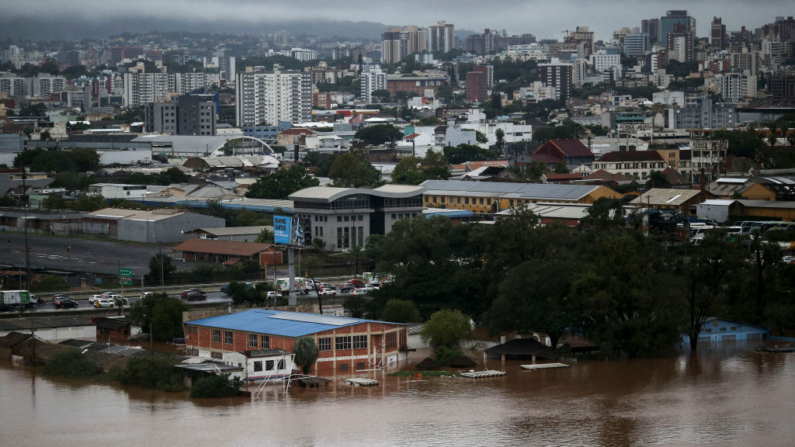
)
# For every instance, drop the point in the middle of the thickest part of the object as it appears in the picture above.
(478, 83)
(558, 75)
(43, 84)
(143, 88)
(271, 97)
(188, 115)
(680, 45)
(745, 61)
(441, 37)
(718, 38)
(13, 85)
(371, 79)
(397, 43)
(224, 64)
(672, 21)
(584, 36)
(189, 82)
(735, 86)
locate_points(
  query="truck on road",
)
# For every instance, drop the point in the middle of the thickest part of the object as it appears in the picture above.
(12, 299)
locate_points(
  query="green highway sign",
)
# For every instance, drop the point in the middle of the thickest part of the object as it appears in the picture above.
(126, 277)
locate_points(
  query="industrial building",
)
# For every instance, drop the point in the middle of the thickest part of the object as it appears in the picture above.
(161, 225)
(227, 252)
(346, 345)
(238, 234)
(492, 197)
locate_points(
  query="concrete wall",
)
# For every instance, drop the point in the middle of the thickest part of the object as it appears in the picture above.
(718, 213)
(129, 157)
(61, 333)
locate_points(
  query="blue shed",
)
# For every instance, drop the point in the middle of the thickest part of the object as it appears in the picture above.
(719, 330)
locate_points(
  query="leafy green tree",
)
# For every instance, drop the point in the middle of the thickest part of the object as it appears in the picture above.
(405, 166)
(160, 312)
(39, 109)
(151, 372)
(74, 72)
(560, 168)
(348, 171)
(383, 95)
(356, 305)
(401, 311)
(54, 203)
(306, 353)
(264, 237)
(500, 134)
(605, 214)
(168, 267)
(534, 297)
(213, 387)
(282, 183)
(71, 364)
(379, 134)
(467, 152)
(7, 200)
(657, 180)
(446, 329)
(89, 202)
(703, 273)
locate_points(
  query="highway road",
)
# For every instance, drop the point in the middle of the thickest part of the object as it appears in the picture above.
(83, 304)
(80, 255)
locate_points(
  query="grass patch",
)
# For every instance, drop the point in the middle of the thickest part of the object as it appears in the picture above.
(424, 373)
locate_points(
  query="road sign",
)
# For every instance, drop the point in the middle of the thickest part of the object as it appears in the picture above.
(126, 277)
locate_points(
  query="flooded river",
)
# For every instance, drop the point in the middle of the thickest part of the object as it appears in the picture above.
(725, 396)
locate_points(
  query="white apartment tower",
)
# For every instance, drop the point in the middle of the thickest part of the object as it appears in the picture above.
(441, 37)
(270, 97)
(44, 84)
(372, 79)
(143, 88)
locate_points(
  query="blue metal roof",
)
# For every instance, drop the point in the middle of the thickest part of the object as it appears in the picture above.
(274, 322)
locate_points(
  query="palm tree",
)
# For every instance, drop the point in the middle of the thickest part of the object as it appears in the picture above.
(306, 353)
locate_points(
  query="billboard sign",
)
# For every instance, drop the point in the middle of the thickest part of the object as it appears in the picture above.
(282, 230)
(126, 276)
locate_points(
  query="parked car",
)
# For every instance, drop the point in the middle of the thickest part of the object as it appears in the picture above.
(103, 302)
(356, 282)
(327, 292)
(359, 292)
(272, 295)
(193, 294)
(347, 288)
(785, 260)
(63, 301)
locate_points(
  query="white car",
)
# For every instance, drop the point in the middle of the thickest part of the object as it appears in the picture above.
(272, 295)
(371, 287)
(103, 302)
(111, 295)
(327, 292)
(93, 298)
(359, 292)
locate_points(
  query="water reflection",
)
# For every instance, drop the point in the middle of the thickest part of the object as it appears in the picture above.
(724, 396)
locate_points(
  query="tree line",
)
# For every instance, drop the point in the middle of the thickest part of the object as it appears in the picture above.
(604, 280)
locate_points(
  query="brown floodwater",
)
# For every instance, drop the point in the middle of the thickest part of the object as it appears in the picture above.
(726, 396)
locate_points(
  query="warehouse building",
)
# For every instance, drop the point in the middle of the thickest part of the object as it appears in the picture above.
(239, 234)
(161, 225)
(492, 197)
(346, 345)
(227, 252)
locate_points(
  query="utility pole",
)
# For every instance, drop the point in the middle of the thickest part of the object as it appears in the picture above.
(25, 223)
(162, 282)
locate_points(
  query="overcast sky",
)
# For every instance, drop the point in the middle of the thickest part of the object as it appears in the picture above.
(543, 18)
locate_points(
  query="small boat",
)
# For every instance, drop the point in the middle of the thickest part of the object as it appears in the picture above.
(472, 374)
(545, 366)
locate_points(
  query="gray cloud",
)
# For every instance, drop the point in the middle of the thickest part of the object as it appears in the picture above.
(542, 18)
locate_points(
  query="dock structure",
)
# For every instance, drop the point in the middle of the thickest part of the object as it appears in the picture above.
(545, 366)
(356, 381)
(471, 374)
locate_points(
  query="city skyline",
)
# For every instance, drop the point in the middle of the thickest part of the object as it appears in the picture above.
(525, 17)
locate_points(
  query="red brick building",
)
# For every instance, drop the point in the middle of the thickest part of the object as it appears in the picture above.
(346, 344)
(228, 251)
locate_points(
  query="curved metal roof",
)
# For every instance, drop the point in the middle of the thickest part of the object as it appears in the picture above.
(330, 194)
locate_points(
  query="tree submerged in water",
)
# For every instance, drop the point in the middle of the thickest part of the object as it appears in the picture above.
(306, 352)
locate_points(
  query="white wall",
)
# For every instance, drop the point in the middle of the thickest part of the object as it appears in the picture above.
(129, 157)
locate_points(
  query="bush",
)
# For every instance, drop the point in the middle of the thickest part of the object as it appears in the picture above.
(445, 356)
(71, 364)
(401, 311)
(216, 386)
(49, 283)
(156, 373)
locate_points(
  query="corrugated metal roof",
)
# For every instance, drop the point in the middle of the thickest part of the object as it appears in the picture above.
(519, 190)
(273, 322)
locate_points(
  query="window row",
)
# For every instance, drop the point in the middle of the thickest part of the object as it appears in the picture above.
(269, 365)
(342, 343)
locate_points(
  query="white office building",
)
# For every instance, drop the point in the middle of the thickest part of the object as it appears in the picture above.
(143, 88)
(271, 97)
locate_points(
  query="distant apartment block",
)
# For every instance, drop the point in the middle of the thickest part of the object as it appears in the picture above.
(271, 97)
(188, 115)
(118, 54)
(143, 88)
(371, 79)
(558, 75)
